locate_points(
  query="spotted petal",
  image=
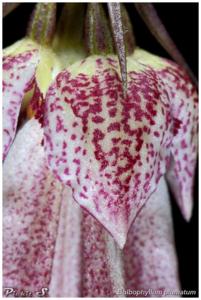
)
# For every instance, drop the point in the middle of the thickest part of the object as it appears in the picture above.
(87, 261)
(66, 271)
(18, 73)
(31, 206)
(184, 103)
(149, 255)
(184, 109)
(102, 265)
(112, 151)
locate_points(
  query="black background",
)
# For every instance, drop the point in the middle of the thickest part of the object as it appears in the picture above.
(181, 20)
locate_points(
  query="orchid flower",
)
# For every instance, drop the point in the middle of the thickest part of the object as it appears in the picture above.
(86, 203)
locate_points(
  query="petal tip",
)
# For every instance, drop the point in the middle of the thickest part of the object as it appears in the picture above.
(120, 237)
(121, 240)
(187, 211)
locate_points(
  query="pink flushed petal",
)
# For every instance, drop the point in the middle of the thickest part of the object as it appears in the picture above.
(30, 212)
(112, 151)
(66, 271)
(87, 261)
(90, 268)
(102, 268)
(18, 72)
(149, 254)
(184, 103)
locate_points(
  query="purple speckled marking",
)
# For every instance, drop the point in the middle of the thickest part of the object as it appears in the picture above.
(18, 73)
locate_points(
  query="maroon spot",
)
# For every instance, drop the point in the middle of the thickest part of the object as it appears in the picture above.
(98, 135)
(114, 127)
(98, 119)
(147, 175)
(77, 173)
(176, 126)
(85, 188)
(59, 125)
(99, 155)
(95, 108)
(75, 124)
(108, 175)
(66, 171)
(83, 196)
(77, 149)
(112, 112)
(156, 133)
(94, 79)
(99, 62)
(64, 145)
(116, 140)
(111, 103)
(68, 183)
(127, 180)
(76, 161)
(183, 144)
(126, 142)
(149, 107)
(145, 128)
(104, 165)
(73, 137)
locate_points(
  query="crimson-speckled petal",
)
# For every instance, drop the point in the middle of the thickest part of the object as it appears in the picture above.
(102, 266)
(18, 72)
(66, 271)
(184, 106)
(111, 150)
(87, 261)
(150, 260)
(31, 207)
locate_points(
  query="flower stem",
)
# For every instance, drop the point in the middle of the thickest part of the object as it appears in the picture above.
(42, 24)
(117, 29)
(98, 38)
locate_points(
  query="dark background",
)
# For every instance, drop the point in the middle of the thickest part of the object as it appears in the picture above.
(181, 20)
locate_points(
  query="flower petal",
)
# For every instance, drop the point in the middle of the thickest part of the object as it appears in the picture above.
(31, 208)
(66, 270)
(149, 254)
(87, 261)
(184, 109)
(102, 268)
(112, 151)
(184, 103)
(18, 73)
